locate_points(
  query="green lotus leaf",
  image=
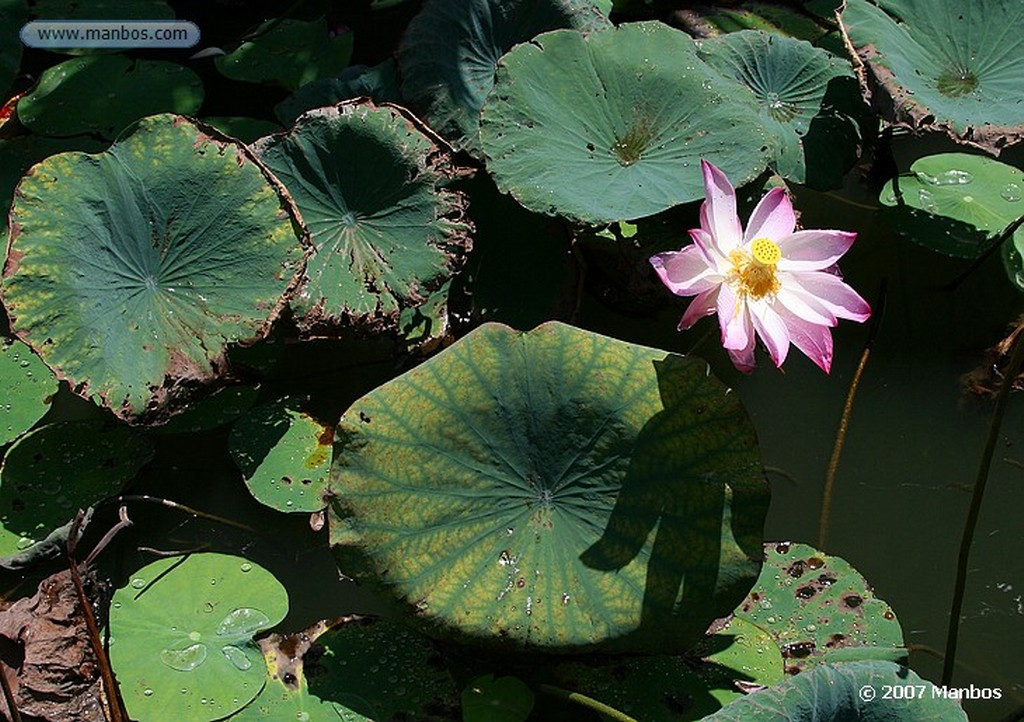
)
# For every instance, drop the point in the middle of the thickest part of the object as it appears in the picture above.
(284, 455)
(130, 271)
(13, 15)
(26, 388)
(210, 412)
(246, 130)
(705, 21)
(819, 609)
(835, 692)
(501, 699)
(450, 50)
(613, 125)
(955, 203)
(288, 52)
(806, 97)
(553, 489)
(369, 186)
(181, 636)
(656, 689)
(944, 63)
(57, 469)
(379, 84)
(102, 94)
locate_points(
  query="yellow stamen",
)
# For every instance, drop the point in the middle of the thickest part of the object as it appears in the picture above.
(755, 274)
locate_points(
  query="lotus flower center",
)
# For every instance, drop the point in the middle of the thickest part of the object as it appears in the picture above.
(755, 274)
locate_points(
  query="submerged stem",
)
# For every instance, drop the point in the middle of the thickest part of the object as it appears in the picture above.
(960, 587)
(844, 422)
(588, 702)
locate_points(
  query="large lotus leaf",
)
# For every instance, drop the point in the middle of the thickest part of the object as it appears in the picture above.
(358, 671)
(955, 203)
(13, 14)
(369, 186)
(613, 125)
(130, 271)
(102, 94)
(656, 689)
(837, 692)
(502, 699)
(51, 472)
(451, 48)
(379, 84)
(553, 489)
(26, 388)
(284, 455)
(288, 52)
(806, 97)
(945, 63)
(181, 636)
(819, 609)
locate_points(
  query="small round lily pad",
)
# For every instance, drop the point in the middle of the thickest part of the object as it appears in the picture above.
(26, 387)
(182, 630)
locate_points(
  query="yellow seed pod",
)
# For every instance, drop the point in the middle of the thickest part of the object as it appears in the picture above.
(765, 251)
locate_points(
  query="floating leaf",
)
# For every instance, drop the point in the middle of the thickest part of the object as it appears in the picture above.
(819, 609)
(209, 412)
(552, 489)
(612, 126)
(289, 53)
(502, 699)
(706, 21)
(57, 469)
(379, 84)
(182, 633)
(284, 455)
(806, 97)
(102, 94)
(956, 203)
(26, 387)
(944, 63)
(369, 186)
(130, 271)
(836, 692)
(448, 55)
(656, 689)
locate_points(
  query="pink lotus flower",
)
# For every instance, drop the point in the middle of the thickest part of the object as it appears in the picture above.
(771, 279)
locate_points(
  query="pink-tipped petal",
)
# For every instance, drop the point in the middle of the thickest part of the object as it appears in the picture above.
(733, 319)
(772, 330)
(813, 340)
(813, 250)
(685, 272)
(703, 304)
(706, 245)
(841, 300)
(802, 304)
(773, 218)
(718, 212)
(743, 359)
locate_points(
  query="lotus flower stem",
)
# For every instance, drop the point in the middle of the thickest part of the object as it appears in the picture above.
(844, 422)
(588, 702)
(959, 588)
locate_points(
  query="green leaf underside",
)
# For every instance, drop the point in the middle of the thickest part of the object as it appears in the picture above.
(379, 83)
(132, 269)
(284, 455)
(53, 471)
(26, 386)
(655, 689)
(612, 126)
(451, 48)
(818, 609)
(288, 52)
(368, 186)
(182, 633)
(552, 489)
(800, 92)
(102, 94)
(834, 692)
(956, 203)
(946, 63)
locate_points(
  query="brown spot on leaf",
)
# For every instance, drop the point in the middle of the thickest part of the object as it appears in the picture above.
(852, 601)
(797, 650)
(806, 592)
(796, 569)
